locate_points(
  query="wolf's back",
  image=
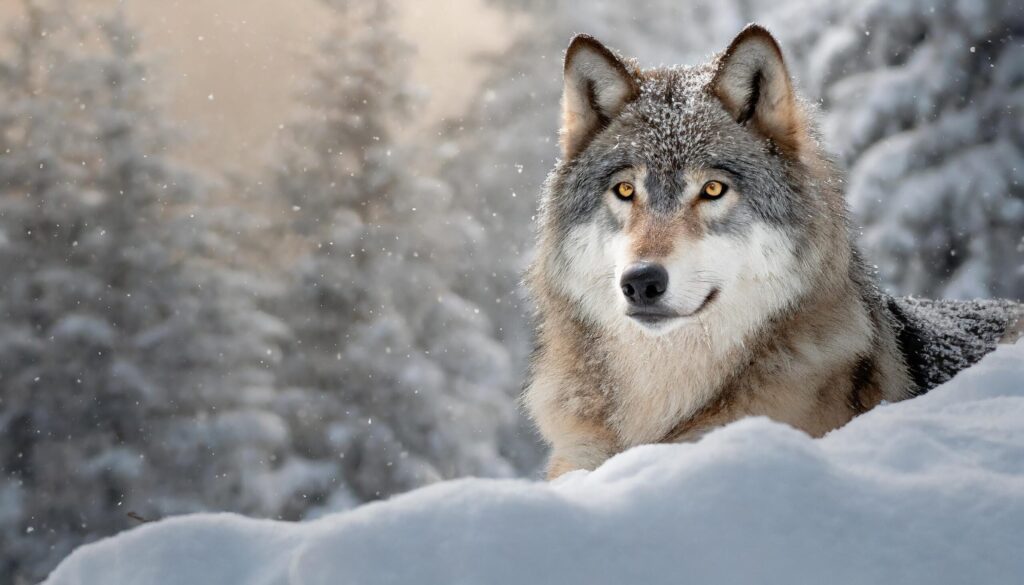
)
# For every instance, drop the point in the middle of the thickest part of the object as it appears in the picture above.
(939, 338)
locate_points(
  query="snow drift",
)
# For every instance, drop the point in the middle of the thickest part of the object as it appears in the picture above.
(926, 491)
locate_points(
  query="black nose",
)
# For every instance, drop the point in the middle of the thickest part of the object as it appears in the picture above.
(644, 282)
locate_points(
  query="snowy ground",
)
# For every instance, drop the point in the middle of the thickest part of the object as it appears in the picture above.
(925, 491)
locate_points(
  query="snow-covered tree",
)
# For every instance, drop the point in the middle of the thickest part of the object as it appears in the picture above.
(83, 273)
(126, 360)
(401, 378)
(923, 102)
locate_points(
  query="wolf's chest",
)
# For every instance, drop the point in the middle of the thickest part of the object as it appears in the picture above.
(661, 385)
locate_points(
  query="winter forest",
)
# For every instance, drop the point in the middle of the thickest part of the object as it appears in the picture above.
(340, 319)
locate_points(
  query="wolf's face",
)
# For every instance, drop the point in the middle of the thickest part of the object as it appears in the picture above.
(678, 197)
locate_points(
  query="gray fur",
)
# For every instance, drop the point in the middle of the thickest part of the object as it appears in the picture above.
(940, 337)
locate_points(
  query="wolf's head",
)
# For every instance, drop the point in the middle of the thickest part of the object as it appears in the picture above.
(687, 194)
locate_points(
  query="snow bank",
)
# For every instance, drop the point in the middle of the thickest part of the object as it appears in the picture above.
(925, 491)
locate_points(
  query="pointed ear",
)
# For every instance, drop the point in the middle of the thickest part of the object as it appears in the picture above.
(754, 87)
(597, 86)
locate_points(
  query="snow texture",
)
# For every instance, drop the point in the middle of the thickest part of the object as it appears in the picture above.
(929, 490)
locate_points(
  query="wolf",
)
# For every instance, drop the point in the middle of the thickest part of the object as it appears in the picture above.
(696, 265)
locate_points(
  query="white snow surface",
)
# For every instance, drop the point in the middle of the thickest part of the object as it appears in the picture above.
(930, 490)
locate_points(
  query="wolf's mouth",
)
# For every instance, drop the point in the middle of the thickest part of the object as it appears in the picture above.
(655, 315)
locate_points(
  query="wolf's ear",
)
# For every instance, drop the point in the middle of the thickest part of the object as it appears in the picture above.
(754, 87)
(597, 86)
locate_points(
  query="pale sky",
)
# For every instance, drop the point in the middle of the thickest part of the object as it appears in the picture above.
(231, 67)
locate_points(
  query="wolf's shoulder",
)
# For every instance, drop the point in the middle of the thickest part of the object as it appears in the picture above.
(939, 338)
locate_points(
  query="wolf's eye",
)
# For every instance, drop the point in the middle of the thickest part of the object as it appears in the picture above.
(624, 191)
(713, 190)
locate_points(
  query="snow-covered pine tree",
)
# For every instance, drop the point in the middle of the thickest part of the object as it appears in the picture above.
(82, 275)
(395, 375)
(128, 364)
(923, 102)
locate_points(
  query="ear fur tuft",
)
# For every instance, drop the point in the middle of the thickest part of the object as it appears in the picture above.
(597, 86)
(755, 88)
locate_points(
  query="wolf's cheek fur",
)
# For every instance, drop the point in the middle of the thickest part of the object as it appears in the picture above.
(586, 263)
(759, 276)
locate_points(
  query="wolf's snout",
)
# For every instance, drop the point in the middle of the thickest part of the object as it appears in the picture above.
(643, 283)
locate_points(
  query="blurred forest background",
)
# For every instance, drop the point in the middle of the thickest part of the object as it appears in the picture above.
(264, 257)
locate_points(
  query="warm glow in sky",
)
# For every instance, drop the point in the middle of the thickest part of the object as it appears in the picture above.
(230, 67)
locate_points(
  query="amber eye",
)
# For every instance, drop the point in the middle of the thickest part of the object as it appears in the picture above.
(624, 191)
(713, 190)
